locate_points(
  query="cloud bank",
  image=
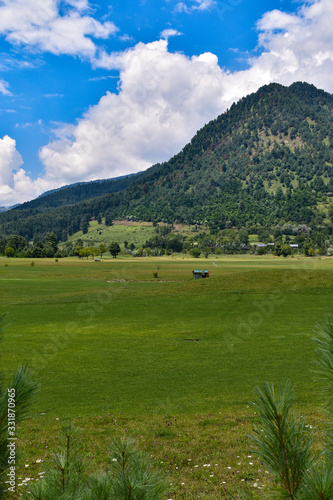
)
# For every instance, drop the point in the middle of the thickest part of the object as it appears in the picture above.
(40, 24)
(164, 97)
(14, 183)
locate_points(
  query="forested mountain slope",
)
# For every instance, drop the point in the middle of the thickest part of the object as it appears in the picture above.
(267, 158)
(80, 191)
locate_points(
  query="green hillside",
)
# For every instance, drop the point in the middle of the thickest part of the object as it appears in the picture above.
(267, 159)
(68, 195)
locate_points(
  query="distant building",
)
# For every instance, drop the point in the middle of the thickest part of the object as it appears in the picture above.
(293, 245)
(200, 274)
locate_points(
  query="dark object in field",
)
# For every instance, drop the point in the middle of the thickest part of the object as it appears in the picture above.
(200, 274)
(191, 340)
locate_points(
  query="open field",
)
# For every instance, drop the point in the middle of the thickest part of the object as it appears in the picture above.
(136, 233)
(132, 232)
(170, 360)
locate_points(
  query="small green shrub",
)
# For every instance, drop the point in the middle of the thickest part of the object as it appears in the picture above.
(195, 252)
(284, 442)
(129, 477)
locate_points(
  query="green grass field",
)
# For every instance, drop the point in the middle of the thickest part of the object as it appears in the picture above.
(132, 232)
(136, 233)
(121, 351)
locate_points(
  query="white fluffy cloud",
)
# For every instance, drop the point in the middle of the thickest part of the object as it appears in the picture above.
(4, 88)
(15, 184)
(164, 98)
(299, 46)
(170, 32)
(204, 4)
(39, 24)
(195, 5)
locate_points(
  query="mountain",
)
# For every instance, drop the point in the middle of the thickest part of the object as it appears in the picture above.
(74, 193)
(268, 158)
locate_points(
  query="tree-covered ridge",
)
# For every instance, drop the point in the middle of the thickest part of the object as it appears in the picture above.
(81, 191)
(268, 158)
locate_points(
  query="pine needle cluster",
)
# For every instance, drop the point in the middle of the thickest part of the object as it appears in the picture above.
(284, 442)
(129, 477)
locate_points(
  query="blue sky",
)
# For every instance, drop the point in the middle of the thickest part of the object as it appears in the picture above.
(101, 89)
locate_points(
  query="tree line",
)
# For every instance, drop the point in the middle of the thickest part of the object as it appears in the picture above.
(17, 246)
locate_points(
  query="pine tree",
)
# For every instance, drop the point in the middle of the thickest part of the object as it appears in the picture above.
(130, 476)
(114, 249)
(284, 444)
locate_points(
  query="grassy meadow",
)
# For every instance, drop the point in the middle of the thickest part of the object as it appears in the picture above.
(170, 360)
(131, 231)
